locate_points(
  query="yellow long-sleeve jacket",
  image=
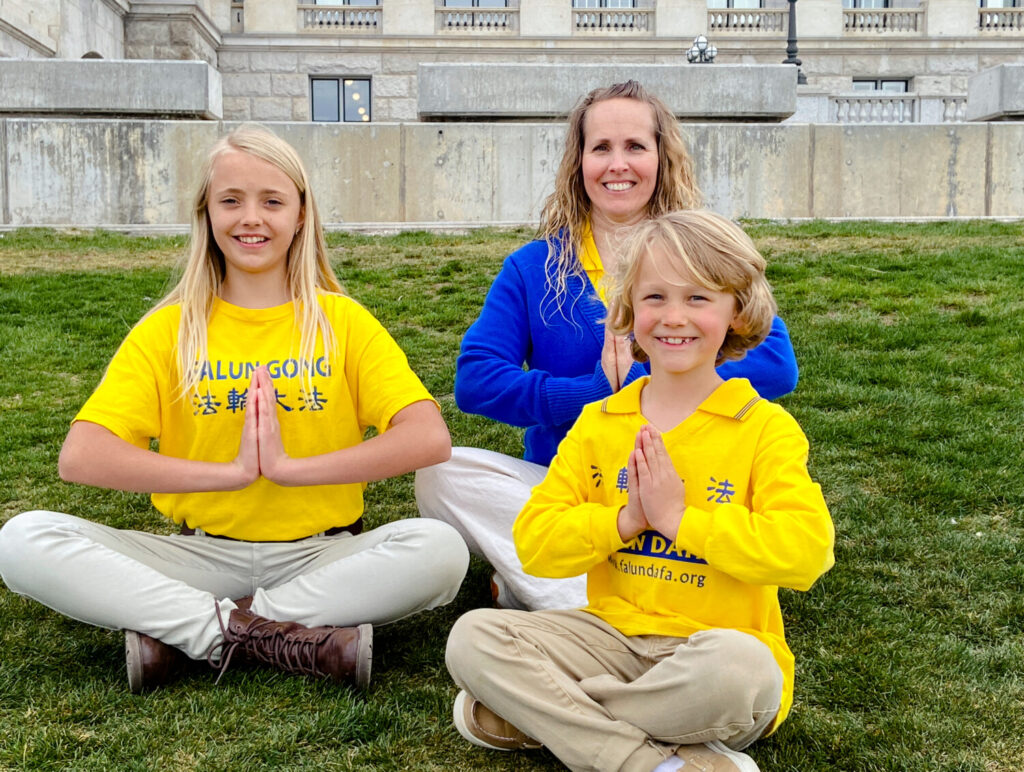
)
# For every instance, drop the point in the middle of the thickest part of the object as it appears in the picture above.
(754, 521)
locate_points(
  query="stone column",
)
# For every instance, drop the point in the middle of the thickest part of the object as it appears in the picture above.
(274, 16)
(408, 17)
(545, 18)
(681, 19)
(818, 19)
(954, 18)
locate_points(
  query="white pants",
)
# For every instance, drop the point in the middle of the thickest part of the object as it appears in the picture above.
(481, 493)
(168, 586)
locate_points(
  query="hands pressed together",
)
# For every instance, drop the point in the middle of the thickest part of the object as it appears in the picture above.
(656, 494)
(616, 359)
(261, 451)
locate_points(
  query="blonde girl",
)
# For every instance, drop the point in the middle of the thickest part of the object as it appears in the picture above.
(257, 377)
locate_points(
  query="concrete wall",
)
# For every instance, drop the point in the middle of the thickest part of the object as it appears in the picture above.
(90, 173)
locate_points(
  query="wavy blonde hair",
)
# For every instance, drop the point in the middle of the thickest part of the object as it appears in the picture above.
(308, 268)
(567, 210)
(715, 253)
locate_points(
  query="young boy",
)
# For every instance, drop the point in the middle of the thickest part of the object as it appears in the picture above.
(687, 502)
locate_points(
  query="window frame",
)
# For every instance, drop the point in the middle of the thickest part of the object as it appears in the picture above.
(341, 82)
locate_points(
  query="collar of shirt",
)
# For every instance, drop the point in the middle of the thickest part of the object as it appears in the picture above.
(733, 399)
(590, 259)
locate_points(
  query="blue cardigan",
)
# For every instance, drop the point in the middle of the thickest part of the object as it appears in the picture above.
(519, 323)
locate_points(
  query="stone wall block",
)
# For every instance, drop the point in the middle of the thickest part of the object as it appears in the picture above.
(273, 62)
(234, 61)
(951, 64)
(271, 109)
(391, 86)
(301, 110)
(147, 32)
(247, 84)
(237, 109)
(404, 64)
(289, 85)
(339, 64)
(398, 110)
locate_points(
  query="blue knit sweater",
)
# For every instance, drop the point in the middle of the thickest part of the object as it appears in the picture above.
(561, 349)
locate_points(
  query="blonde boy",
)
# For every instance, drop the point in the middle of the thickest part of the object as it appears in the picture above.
(687, 502)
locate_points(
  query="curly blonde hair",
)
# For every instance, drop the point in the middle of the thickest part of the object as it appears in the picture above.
(715, 253)
(566, 211)
(308, 267)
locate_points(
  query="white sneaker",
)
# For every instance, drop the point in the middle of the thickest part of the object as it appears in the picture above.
(714, 757)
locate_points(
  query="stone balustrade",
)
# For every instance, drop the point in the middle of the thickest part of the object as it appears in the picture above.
(1001, 19)
(884, 20)
(874, 108)
(350, 18)
(638, 20)
(756, 20)
(484, 20)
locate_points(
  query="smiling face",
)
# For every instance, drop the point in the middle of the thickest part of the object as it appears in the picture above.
(620, 159)
(679, 324)
(254, 210)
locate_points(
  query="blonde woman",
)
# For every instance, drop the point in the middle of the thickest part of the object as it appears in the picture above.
(539, 351)
(257, 376)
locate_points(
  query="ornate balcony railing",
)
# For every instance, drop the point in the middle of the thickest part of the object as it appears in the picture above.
(1001, 19)
(754, 20)
(876, 108)
(629, 20)
(484, 20)
(884, 20)
(331, 18)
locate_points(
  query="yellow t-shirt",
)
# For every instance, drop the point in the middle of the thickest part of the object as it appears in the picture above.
(365, 383)
(753, 521)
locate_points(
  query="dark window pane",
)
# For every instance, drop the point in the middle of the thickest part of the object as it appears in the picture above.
(325, 100)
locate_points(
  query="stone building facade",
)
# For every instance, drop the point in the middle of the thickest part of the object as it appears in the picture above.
(360, 60)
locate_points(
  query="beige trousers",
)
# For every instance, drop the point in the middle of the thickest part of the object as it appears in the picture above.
(169, 587)
(600, 700)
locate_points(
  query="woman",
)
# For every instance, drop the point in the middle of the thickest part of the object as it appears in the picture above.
(624, 161)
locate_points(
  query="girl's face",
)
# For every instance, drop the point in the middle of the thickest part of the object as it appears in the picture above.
(679, 323)
(620, 159)
(254, 212)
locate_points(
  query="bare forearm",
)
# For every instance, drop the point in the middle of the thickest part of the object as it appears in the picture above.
(418, 437)
(92, 455)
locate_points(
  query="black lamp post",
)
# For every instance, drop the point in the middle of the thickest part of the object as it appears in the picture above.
(791, 49)
(701, 52)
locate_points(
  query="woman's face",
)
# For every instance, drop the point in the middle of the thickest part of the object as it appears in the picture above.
(620, 159)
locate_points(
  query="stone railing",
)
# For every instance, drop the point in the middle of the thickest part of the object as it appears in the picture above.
(754, 20)
(485, 20)
(884, 20)
(876, 108)
(331, 18)
(635, 20)
(954, 109)
(1001, 19)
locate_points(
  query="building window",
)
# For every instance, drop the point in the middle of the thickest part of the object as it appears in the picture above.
(604, 3)
(340, 99)
(888, 85)
(360, 3)
(866, 4)
(740, 4)
(476, 3)
(1000, 3)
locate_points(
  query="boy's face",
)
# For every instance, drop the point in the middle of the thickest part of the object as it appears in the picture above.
(679, 323)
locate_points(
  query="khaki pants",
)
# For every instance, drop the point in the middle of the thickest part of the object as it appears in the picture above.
(600, 700)
(168, 587)
(480, 493)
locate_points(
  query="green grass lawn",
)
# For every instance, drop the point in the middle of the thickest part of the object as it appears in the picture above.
(910, 652)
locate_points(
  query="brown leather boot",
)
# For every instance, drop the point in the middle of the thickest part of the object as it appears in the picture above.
(343, 654)
(151, 663)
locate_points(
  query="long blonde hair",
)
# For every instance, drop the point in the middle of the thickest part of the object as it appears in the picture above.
(308, 268)
(717, 254)
(567, 210)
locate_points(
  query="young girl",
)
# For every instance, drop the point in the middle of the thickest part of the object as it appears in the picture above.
(258, 377)
(686, 501)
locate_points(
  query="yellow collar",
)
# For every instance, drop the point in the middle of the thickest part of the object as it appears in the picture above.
(732, 399)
